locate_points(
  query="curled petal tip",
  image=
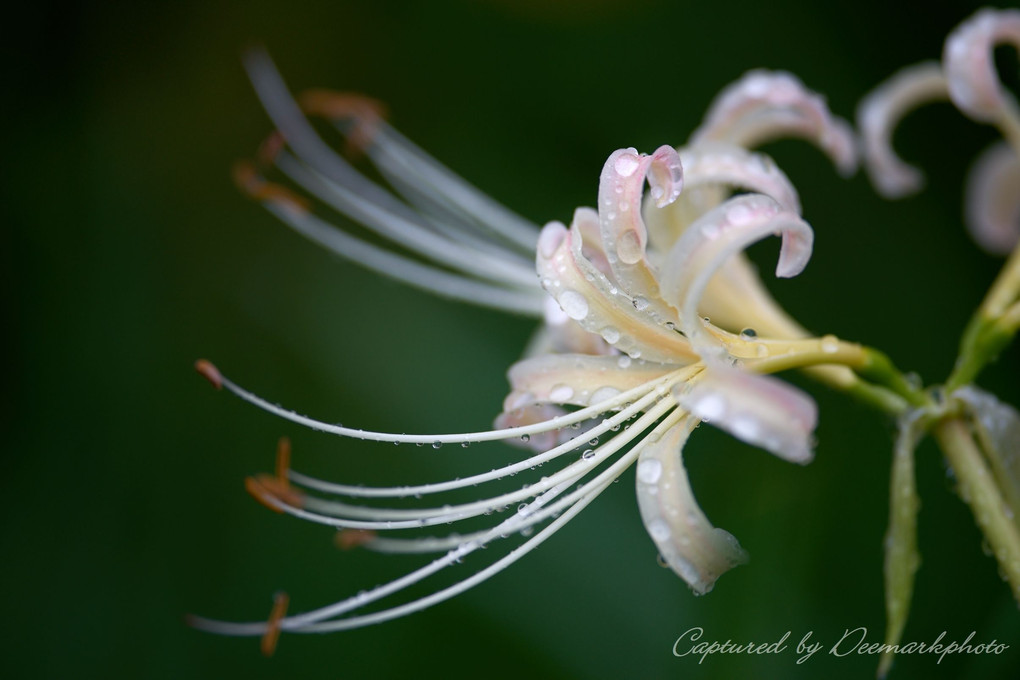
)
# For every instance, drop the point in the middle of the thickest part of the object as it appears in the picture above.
(877, 117)
(969, 65)
(207, 370)
(665, 176)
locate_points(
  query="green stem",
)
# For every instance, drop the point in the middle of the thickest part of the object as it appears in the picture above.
(977, 488)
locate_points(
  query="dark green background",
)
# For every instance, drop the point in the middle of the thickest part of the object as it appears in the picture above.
(127, 254)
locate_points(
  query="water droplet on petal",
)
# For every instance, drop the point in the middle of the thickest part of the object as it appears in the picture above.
(628, 247)
(610, 334)
(830, 345)
(658, 529)
(649, 471)
(561, 393)
(574, 304)
(626, 164)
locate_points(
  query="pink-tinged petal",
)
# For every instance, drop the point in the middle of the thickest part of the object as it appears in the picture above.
(879, 114)
(530, 413)
(716, 237)
(622, 228)
(577, 379)
(970, 65)
(714, 163)
(764, 105)
(562, 335)
(993, 199)
(757, 409)
(698, 552)
(627, 322)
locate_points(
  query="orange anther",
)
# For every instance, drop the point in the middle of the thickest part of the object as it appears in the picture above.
(363, 112)
(266, 488)
(270, 148)
(283, 461)
(348, 539)
(248, 180)
(280, 602)
(209, 372)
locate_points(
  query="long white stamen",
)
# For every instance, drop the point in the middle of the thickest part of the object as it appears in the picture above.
(519, 301)
(397, 157)
(301, 136)
(385, 519)
(577, 500)
(499, 473)
(406, 232)
(469, 437)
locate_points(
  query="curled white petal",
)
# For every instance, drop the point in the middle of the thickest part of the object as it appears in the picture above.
(629, 322)
(970, 67)
(993, 199)
(713, 163)
(622, 229)
(720, 234)
(764, 105)
(698, 552)
(757, 409)
(877, 117)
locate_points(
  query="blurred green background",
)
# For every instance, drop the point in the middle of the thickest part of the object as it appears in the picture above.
(128, 254)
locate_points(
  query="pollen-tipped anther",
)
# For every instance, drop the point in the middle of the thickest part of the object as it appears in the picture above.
(270, 491)
(207, 370)
(272, 635)
(363, 113)
(251, 182)
(348, 539)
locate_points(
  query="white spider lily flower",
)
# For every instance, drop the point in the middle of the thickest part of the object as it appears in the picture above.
(967, 77)
(636, 404)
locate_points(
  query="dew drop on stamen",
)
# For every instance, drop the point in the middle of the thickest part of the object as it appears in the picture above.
(830, 345)
(525, 437)
(437, 445)
(748, 333)
(588, 454)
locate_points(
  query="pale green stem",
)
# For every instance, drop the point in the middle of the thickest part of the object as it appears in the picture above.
(977, 488)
